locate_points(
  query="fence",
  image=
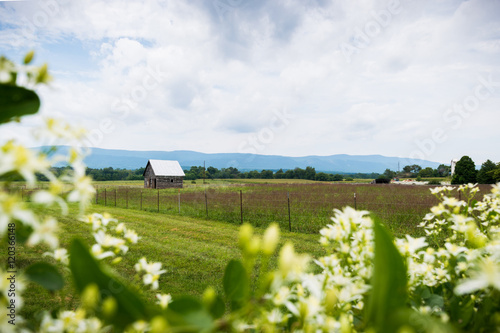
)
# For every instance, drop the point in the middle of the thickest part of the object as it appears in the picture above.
(296, 207)
(299, 207)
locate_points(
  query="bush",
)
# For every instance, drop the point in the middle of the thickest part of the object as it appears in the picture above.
(434, 182)
(349, 179)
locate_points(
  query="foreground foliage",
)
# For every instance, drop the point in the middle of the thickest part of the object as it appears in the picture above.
(368, 281)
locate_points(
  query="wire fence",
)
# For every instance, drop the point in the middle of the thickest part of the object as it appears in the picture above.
(296, 207)
(299, 207)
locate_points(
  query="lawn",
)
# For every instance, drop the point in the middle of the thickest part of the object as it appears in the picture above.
(194, 252)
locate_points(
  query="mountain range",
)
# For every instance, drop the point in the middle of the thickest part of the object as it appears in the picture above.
(341, 163)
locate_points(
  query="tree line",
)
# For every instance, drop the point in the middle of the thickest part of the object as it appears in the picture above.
(465, 172)
(309, 173)
(414, 171)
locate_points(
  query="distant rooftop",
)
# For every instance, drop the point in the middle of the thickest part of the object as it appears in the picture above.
(166, 168)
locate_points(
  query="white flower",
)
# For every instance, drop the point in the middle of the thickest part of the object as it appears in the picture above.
(131, 236)
(45, 232)
(11, 208)
(152, 272)
(290, 262)
(99, 253)
(164, 300)
(454, 249)
(276, 316)
(411, 245)
(21, 159)
(48, 198)
(60, 255)
(107, 241)
(282, 296)
(487, 275)
(83, 190)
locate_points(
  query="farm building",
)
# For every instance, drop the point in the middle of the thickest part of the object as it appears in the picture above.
(163, 174)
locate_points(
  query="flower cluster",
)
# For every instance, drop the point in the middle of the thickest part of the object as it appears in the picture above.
(466, 262)
(112, 238)
(71, 321)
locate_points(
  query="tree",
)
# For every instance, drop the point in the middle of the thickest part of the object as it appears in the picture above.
(443, 170)
(485, 175)
(310, 173)
(496, 173)
(412, 170)
(337, 178)
(211, 172)
(266, 174)
(321, 176)
(388, 174)
(427, 172)
(465, 171)
(299, 173)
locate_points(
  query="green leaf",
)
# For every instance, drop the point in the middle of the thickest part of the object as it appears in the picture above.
(86, 270)
(45, 275)
(388, 294)
(435, 300)
(236, 284)
(187, 314)
(17, 102)
(217, 308)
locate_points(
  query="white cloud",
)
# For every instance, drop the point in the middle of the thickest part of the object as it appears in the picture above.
(188, 75)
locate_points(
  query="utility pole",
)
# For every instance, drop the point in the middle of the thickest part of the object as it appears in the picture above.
(203, 172)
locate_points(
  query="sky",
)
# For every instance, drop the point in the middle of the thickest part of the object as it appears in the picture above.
(410, 79)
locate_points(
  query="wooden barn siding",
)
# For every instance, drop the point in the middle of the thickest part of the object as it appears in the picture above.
(168, 181)
(148, 174)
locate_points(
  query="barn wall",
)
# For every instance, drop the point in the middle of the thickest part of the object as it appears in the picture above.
(148, 176)
(169, 181)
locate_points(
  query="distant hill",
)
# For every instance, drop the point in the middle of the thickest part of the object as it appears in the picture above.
(342, 163)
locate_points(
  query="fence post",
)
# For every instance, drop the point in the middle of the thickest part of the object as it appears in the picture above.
(105, 198)
(355, 201)
(206, 203)
(179, 201)
(141, 199)
(22, 194)
(158, 201)
(289, 218)
(126, 198)
(115, 197)
(96, 194)
(241, 206)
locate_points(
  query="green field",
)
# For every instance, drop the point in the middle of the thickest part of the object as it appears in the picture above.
(194, 252)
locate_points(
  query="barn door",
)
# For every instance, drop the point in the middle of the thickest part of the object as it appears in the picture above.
(154, 183)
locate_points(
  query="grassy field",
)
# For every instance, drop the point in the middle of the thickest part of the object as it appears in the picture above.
(401, 207)
(194, 252)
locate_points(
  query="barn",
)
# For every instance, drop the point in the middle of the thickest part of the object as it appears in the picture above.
(163, 174)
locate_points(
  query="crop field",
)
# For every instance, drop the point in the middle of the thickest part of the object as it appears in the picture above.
(299, 207)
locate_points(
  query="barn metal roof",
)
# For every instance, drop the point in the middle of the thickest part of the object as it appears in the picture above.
(166, 168)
